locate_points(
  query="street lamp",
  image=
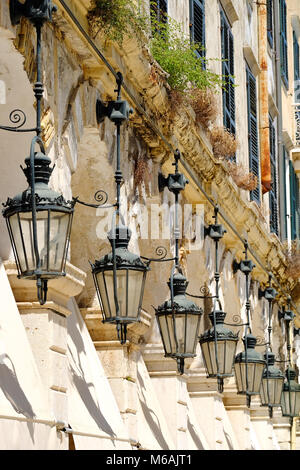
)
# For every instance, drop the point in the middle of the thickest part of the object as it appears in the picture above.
(38, 219)
(271, 384)
(178, 318)
(273, 378)
(218, 344)
(120, 275)
(290, 398)
(249, 364)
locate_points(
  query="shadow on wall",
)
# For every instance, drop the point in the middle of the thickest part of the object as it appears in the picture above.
(194, 435)
(12, 390)
(82, 385)
(150, 416)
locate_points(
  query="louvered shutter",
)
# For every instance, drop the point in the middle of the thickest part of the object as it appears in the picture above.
(284, 222)
(294, 199)
(253, 134)
(197, 24)
(296, 69)
(283, 42)
(270, 21)
(159, 9)
(227, 49)
(273, 194)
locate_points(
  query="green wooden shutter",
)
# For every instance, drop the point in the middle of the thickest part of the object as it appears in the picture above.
(294, 201)
(273, 194)
(283, 42)
(197, 24)
(284, 222)
(228, 93)
(159, 9)
(253, 133)
(296, 69)
(270, 21)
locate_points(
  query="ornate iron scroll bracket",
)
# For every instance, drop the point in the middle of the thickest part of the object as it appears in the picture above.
(18, 117)
(161, 252)
(101, 197)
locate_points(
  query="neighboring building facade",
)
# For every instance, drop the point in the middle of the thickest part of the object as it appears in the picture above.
(66, 382)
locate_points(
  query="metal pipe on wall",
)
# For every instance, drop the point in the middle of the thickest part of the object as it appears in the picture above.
(264, 131)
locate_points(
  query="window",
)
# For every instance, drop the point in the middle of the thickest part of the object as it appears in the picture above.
(228, 72)
(253, 133)
(197, 24)
(296, 69)
(159, 10)
(270, 21)
(283, 42)
(294, 200)
(273, 194)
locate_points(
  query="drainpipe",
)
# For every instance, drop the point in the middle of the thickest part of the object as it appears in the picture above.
(280, 156)
(265, 163)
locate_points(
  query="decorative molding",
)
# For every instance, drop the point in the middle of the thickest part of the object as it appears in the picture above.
(273, 110)
(251, 59)
(230, 10)
(295, 22)
(287, 139)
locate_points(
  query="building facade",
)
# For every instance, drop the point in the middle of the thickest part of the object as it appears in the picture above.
(66, 381)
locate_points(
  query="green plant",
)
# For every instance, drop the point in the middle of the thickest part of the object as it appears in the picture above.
(116, 19)
(180, 58)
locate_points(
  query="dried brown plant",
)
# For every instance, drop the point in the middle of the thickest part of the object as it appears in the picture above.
(223, 142)
(204, 104)
(141, 171)
(292, 254)
(176, 100)
(242, 178)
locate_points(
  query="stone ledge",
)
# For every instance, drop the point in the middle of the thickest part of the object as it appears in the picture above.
(60, 290)
(106, 332)
(36, 307)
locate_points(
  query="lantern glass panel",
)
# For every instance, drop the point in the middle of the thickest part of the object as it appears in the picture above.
(179, 332)
(129, 292)
(53, 228)
(165, 333)
(255, 371)
(270, 391)
(290, 403)
(226, 353)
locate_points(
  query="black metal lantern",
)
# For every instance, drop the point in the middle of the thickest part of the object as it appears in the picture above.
(178, 320)
(272, 383)
(290, 398)
(218, 346)
(249, 366)
(39, 219)
(39, 227)
(120, 283)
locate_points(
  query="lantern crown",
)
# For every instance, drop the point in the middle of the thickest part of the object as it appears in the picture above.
(180, 303)
(220, 331)
(271, 371)
(249, 354)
